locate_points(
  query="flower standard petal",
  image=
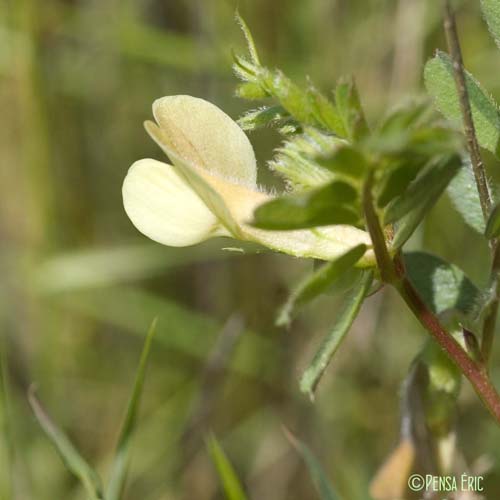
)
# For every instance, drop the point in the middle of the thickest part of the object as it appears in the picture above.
(162, 205)
(201, 181)
(204, 135)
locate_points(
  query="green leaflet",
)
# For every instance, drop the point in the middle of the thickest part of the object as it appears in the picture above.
(431, 182)
(350, 109)
(441, 285)
(412, 131)
(403, 117)
(263, 117)
(463, 193)
(290, 96)
(318, 282)
(331, 343)
(345, 161)
(69, 454)
(250, 91)
(396, 181)
(491, 12)
(409, 209)
(296, 161)
(493, 225)
(327, 205)
(309, 107)
(252, 49)
(122, 454)
(230, 482)
(441, 85)
(325, 112)
(318, 476)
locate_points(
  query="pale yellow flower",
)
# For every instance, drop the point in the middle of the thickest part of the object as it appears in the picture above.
(211, 187)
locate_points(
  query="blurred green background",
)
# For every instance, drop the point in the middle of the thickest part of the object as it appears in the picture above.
(79, 285)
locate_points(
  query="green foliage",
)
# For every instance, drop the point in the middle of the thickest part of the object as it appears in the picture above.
(396, 180)
(492, 229)
(424, 190)
(309, 106)
(69, 454)
(345, 161)
(227, 474)
(318, 476)
(263, 117)
(350, 110)
(327, 205)
(409, 132)
(409, 209)
(463, 193)
(312, 375)
(318, 282)
(407, 140)
(440, 84)
(491, 11)
(252, 49)
(329, 152)
(327, 114)
(122, 455)
(442, 285)
(413, 155)
(296, 160)
(265, 82)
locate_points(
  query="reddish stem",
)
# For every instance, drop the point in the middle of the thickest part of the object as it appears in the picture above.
(474, 371)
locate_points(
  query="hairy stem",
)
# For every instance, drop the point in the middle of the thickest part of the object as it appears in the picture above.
(450, 28)
(384, 261)
(473, 370)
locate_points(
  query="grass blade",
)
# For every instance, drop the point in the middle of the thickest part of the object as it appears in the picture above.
(230, 482)
(69, 454)
(7, 455)
(314, 372)
(318, 476)
(122, 455)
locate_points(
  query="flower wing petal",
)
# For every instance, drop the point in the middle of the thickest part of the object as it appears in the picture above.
(163, 206)
(204, 135)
